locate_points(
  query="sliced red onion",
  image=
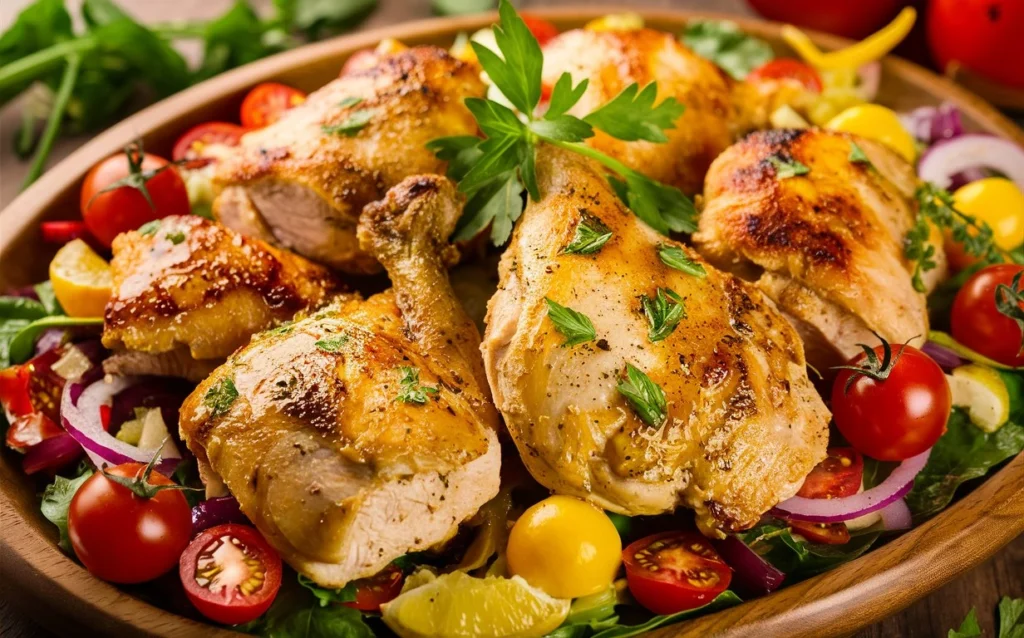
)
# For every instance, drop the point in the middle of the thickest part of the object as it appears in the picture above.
(947, 158)
(50, 339)
(967, 176)
(752, 575)
(946, 358)
(80, 415)
(835, 510)
(216, 511)
(896, 515)
(870, 78)
(931, 124)
(51, 454)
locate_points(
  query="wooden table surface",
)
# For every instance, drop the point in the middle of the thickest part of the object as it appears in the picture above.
(932, 616)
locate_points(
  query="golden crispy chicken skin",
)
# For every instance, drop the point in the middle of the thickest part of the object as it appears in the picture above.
(188, 292)
(826, 246)
(744, 425)
(303, 181)
(365, 431)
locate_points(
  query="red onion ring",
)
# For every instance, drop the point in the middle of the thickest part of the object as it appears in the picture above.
(51, 454)
(931, 124)
(752, 575)
(836, 510)
(80, 415)
(896, 516)
(946, 358)
(948, 157)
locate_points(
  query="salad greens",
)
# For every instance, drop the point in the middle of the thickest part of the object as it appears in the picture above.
(1011, 621)
(722, 42)
(799, 559)
(612, 626)
(23, 319)
(57, 500)
(296, 613)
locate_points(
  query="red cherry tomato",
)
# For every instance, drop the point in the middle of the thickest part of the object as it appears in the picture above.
(982, 35)
(30, 393)
(542, 29)
(124, 538)
(837, 476)
(784, 68)
(977, 322)
(231, 575)
(265, 104)
(108, 214)
(190, 146)
(674, 571)
(822, 533)
(850, 18)
(899, 417)
(373, 592)
(62, 232)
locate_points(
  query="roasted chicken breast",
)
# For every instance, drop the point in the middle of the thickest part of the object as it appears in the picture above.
(302, 182)
(365, 431)
(188, 292)
(742, 423)
(826, 245)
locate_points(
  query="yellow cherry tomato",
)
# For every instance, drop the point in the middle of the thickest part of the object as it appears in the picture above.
(81, 280)
(565, 547)
(999, 203)
(876, 123)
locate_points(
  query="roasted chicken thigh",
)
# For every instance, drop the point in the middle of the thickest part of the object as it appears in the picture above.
(825, 245)
(365, 431)
(742, 423)
(302, 182)
(188, 292)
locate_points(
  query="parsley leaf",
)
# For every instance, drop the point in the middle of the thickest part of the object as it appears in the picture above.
(857, 155)
(461, 152)
(645, 396)
(220, 396)
(664, 313)
(57, 500)
(332, 345)
(326, 596)
(518, 75)
(725, 44)
(969, 628)
(675, 257)
(590, 236)
(575, 326)
(564, 95)
(631, 115)
(350, 102)
(411, 390)
(1011, 617)
(350, 126)
(785, 168)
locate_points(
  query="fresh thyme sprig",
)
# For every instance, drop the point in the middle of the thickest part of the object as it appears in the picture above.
(493, 171)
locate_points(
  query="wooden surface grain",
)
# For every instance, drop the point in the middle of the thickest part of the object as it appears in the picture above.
(931, 616)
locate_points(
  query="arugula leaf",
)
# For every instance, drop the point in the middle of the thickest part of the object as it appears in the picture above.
(590, 236)
(21, 344)
(1011, 617)
(645, 396)
(564, 95)
(787, 167)
(969, 628)
(40, 25)
(220, 397)
(575, 326)
(675, 257)
(857, 155)
(21, 308)
(297, 614)
(350, 126)
(327, 596)
(631, 115)
(725, 44)
(234, 39)
(56, 501)
(411, 390)
(319, 18)
(664, 313)
(723, 600)
(47, 297)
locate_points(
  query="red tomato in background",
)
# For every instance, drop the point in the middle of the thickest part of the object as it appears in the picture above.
(985, 36)
(675, 571)
(61, 232)
(977, 322)
(108, 214)
(124, 538)
(230, 574)
(373, 592)
(265, 104)
(899, 417)
(850, 18)
(783, 68)
(190, 146)
(541, 29)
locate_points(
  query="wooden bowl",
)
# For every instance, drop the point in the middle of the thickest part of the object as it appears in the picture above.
(37, 576)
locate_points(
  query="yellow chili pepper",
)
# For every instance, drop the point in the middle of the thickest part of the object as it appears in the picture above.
(871, 48)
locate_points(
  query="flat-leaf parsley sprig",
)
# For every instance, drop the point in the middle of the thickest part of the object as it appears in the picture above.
(493, 171)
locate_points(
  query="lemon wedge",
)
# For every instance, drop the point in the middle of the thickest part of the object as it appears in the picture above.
(982, 391)
(81, 280)
(456, 605)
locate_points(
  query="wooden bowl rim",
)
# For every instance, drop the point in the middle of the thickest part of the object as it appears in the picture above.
(839, 601)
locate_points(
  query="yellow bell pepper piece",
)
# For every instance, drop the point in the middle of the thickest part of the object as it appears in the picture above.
(871, 48)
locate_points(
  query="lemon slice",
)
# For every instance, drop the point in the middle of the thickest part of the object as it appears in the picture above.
(982, 391)
(81, 280)
(456, 605)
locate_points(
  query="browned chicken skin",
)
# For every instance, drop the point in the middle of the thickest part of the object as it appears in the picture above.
(744, 424)
(188, 292)
(303, 181)
(337, 472)
(826, 246)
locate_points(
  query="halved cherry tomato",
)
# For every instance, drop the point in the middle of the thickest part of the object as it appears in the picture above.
(977, 322)
(823, 533)
(787, 68)
(837, 476)
(231, 575)
(541, 29)
(373, 592)
(122, 537)
(30, 393)
(675, 571)
(190, 145)
(61, 232)
(265, 104)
